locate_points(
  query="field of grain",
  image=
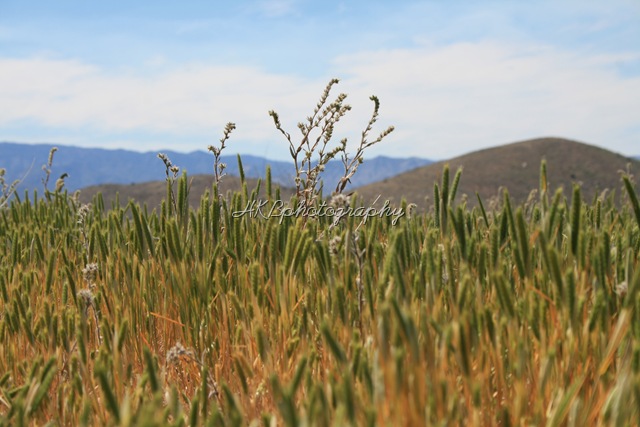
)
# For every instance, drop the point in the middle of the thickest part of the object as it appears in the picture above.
(497, 315)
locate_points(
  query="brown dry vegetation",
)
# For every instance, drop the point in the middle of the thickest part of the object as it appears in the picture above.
(525, 316)
(152, 193)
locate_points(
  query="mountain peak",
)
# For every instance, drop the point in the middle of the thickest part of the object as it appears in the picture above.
(514, 166)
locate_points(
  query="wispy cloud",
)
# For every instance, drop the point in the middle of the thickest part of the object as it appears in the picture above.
(444, 101)
(457, 79)
(192, 100)
(453, 99)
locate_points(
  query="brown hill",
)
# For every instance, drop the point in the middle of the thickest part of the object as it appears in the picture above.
(513, 166)
(152, 193)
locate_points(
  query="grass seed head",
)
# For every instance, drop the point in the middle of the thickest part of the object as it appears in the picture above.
(177, 351)
(87, 297)
(339, 201)
(89, 272)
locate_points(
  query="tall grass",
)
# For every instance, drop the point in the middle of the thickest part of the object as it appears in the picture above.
(504, 317)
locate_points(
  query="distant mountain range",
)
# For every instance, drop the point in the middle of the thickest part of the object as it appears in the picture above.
(92, 166)
(515, 167)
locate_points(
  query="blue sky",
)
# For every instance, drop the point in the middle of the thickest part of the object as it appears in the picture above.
(452, 76)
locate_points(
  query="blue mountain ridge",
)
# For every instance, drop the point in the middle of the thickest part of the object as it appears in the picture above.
(94, 166)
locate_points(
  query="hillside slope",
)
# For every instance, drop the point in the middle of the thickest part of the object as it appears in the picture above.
(153, 192)
(514, 166)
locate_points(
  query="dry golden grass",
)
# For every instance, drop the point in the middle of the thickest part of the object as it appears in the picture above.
(520, 315)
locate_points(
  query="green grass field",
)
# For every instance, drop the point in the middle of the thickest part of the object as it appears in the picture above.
(524, 315)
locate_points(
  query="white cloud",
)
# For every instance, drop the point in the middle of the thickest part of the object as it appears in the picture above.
(453, 99)
(444, 101)
(186, 101)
